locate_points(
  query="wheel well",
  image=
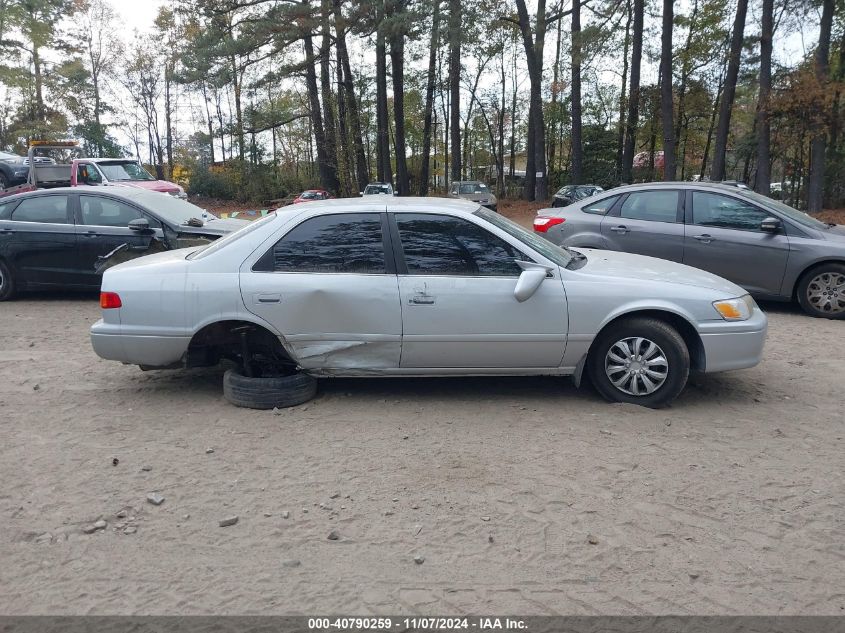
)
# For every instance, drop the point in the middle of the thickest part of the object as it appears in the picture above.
(684, 328)
(226, 339)
(809, 269)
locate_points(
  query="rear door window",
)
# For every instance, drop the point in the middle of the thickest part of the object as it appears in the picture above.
(652, 206)
(338, 243)
(600, 207)
(42, 209)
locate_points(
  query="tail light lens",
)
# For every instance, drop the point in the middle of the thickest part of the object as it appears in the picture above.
(543, 223)
(109, 300)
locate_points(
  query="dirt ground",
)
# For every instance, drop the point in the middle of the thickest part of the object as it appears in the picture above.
(523, 495)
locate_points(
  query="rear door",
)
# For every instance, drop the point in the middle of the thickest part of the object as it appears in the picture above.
(40, 240)
(329, 286)
(647, 223)
(723, 237)
(102, 224)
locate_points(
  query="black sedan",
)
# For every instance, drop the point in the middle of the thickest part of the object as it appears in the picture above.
(13, 170)
(573, 193)
(66, 237)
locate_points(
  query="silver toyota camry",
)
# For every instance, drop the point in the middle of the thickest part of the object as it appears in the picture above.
(420, 287)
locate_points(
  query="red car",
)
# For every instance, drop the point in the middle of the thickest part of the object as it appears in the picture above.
(312, 194)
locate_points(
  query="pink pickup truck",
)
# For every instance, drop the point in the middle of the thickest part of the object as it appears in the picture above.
(75, 172)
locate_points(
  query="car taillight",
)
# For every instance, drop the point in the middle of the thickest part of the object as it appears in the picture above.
(109, 300)
(543, 224)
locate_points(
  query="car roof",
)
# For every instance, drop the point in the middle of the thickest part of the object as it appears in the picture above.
(108, 160)
(136, 194)
(393, 205)
(673, 184)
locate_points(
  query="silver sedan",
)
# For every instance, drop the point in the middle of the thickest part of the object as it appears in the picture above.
(421, 287)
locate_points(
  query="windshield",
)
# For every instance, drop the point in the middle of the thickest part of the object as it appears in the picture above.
(793, 214)
(377, 189)
(5, 156)
(170, 208)
(234, 236)
(124, 170)
(557, 254)
(309, 195)
(474, 187)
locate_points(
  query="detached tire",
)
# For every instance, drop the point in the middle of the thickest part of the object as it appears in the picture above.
(268, 393)
(7, 283)
(639, 360)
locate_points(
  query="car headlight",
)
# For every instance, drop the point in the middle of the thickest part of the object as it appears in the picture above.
(738, 309)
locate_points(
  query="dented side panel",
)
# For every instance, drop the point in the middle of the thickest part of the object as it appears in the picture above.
(330, 321)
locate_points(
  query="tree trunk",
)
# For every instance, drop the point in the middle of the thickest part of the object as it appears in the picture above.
(385, 171)
(326, 181)
(397, 54)
(718, 171)
(429, 101)
(818, 141)
(634, 93)
(329, 123)
(667, 106)
(555, 114)
(577, 174)
(536, 178)
(362, 175)
(455, 84)
(620, 140)
(713, 114)
(762, 183)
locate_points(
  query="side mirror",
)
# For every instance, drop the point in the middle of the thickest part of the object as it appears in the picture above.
(141, 225)
(771, 225)
(529, 280)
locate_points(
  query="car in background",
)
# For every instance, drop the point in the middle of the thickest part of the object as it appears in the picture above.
(65, 237)
(128, 172)
(474, 191)
(573, 193)
(14, 170)
(378, 189)
(420, 287)
(310, 195)
(773, 251)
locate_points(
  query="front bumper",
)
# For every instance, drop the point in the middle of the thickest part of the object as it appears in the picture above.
(734, 344)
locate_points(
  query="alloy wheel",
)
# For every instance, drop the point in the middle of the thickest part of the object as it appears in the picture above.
(826, 292)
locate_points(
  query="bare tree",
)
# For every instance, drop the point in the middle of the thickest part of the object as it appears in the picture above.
(667, 106)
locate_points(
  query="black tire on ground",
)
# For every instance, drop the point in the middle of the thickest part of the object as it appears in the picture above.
(7, 282)
(267, 393)
(814, 308)
(654, 330)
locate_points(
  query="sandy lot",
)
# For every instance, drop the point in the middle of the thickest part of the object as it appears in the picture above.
(730, 502)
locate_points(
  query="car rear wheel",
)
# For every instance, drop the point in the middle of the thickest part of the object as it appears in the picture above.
(821, 292)
(640, 361)
(268, 392)
(7, 283)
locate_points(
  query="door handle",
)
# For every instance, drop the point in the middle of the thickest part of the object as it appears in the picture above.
(7, 231)
(704, 239)
(422, 300)
(90, 234)
(620, 229)
(268, 298)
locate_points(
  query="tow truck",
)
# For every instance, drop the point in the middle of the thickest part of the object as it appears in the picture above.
(66, 167)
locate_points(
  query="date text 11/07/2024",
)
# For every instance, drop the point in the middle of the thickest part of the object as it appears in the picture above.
(416, 623)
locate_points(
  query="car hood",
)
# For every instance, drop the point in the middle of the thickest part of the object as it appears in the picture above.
(217, 227)
(835, 233)
(161, 186)
(478, 197)
(651, 269)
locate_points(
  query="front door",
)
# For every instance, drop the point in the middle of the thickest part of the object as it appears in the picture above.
(456, 284)
(723, 237)
(647, 223)
(329, 288)
(102, 225)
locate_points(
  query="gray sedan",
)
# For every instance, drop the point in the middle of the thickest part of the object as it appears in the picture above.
(772, 250)
(420, 287)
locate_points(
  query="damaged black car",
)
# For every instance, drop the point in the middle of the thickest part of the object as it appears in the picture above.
(65, 238)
